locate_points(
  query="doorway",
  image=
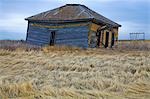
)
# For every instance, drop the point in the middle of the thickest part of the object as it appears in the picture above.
(52, 38)
(107, 39)
(113, 39)
(98, 38)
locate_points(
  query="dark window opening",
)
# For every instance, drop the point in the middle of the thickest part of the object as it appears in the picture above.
(107, 39)
(52, 38)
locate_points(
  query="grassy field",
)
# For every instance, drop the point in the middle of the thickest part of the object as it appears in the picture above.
(134, 45)
(73, 73)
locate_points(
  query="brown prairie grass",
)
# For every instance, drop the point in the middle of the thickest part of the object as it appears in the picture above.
(74, 73)
(134, 45)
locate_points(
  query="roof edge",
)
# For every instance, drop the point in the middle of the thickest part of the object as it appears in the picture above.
(73, 4)
(88, 19)
(70, 21)
(99, 21)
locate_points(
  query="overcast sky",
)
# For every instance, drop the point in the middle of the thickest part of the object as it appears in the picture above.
(133, 15)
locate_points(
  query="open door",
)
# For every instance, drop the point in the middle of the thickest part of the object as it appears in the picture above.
(107, 39)
(52, 38)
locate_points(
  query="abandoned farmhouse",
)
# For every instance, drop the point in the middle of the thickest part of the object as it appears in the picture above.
(72, 25)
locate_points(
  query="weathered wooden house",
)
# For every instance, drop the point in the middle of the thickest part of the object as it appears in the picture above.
(72, 25)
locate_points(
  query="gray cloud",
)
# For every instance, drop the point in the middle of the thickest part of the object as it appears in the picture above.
(133, 15)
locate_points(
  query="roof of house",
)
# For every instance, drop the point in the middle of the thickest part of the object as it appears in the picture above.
(71, 12)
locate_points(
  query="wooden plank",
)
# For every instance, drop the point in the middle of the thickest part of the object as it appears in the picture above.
(27, 30)
(94, 27)
(39, 39)
(59, 26)
(72, 37)
(39, 36)
(104, 37)
(39, 33)
(62, 24)
(101, 39)
(36, 43)
(110, 39)
(70, 32)
(93, 39)
(115, 30)
(74, 44)
(36, 40)
(72, 40)
(89, 34)
(38, 30)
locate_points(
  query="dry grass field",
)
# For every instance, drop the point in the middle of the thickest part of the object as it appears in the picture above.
(73, 73)
(134, 45)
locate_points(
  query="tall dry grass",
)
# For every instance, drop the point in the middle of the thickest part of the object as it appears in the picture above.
(13, 45)
(74, 73)
(134, 45)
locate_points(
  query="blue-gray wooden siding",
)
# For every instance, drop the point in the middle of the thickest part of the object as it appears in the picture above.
(70, 36)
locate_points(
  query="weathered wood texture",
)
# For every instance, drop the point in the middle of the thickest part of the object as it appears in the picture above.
(110, 39)
(93, 38)
(66, 34)
(115, 30)
(92, 35)
(94, 27)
